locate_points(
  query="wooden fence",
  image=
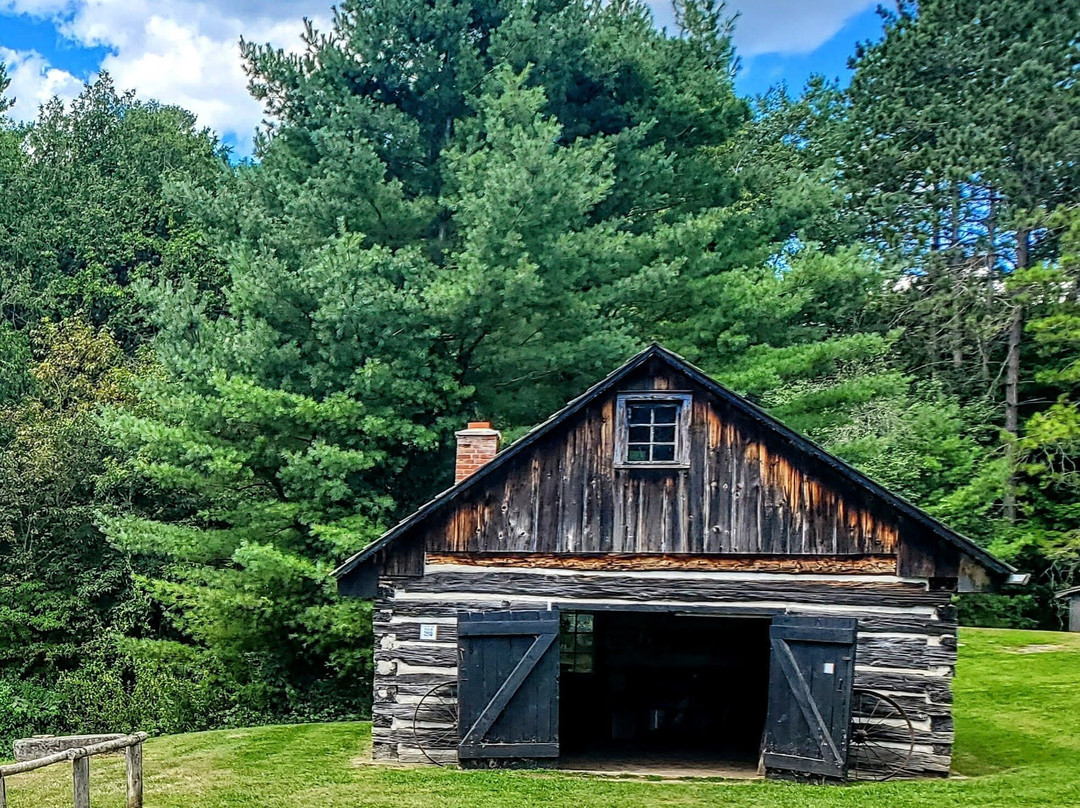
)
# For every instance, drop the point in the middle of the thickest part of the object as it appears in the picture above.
(80, 769)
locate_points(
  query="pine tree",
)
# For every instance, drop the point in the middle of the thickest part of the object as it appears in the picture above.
(370, 117)
(475, 210)
(5, 82)
(960, 123)
(1050, 447)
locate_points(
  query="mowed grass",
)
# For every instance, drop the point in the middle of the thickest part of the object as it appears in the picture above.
(1018, 744)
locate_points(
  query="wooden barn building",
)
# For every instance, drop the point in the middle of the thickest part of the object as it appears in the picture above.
(1071, 597)
(661, 570)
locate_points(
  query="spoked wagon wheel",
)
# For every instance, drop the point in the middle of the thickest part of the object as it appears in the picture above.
(882, 736)
(435, 720)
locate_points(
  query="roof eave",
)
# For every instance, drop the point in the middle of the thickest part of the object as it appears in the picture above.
(799, 442)
(500, 459)
(805, 444)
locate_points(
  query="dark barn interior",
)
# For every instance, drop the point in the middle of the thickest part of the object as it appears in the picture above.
(656, 686)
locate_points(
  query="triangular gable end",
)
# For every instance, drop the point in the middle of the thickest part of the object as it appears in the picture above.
(802, 495)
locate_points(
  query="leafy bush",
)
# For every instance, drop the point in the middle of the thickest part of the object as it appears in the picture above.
(1001, 611)
(160, 688)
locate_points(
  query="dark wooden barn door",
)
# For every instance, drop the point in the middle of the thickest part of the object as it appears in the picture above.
(508, 685)
(810, 674)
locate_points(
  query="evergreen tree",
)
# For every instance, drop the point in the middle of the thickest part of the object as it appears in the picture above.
(377, 119)
(5, 82)
(82, 214)
(287, 424)
(955, 145)
(467, 211)
(1050, 448)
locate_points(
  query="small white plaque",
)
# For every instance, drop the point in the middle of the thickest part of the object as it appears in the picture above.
(429, 631)
(830, 668)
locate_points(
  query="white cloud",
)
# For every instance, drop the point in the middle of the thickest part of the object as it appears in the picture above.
(791, 26)
(779, 26)
(34, 81)
(184, 52)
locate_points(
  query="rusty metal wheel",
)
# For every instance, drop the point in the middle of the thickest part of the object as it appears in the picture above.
(435, 721)
(882, 737)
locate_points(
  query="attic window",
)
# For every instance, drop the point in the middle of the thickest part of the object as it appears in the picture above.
(651, 430)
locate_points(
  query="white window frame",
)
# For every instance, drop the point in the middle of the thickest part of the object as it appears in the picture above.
(682, 401)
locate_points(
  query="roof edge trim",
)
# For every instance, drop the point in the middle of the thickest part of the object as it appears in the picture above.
(676, 362)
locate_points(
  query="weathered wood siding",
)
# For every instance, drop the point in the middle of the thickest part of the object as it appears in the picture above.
(743, 493)
(825, 565)
(906, 635)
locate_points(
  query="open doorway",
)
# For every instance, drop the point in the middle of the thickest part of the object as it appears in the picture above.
(654, 691)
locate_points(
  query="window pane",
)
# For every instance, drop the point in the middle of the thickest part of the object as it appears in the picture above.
(663, 452)
(566, 643)
(584, 622)
(665, 414)
(583, 663)
(652, 431)
(584, 642)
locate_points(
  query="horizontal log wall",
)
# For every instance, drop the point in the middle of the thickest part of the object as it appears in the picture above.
(906, 640)
(868, 592)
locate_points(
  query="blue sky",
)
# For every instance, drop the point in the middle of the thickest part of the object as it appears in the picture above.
(185, 52)
(765, 70)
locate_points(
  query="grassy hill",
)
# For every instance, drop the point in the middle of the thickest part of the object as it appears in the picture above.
(1018, 744)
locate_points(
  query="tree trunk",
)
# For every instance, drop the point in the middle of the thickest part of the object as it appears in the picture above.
(1012, 382)
(992, 278)
(957, 327)
(957, 269)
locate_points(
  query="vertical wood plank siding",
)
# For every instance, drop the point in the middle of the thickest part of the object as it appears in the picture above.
(906, 635)
(742, 493)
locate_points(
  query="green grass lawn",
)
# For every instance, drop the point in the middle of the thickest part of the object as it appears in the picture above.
(1018, 744)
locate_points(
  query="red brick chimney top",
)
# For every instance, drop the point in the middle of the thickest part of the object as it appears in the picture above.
(476, 447)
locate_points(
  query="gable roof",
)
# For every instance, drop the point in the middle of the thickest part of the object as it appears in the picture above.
(751, 411)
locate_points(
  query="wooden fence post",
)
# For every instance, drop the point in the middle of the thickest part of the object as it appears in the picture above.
(80, 768)
(134, 776)
(80, 775)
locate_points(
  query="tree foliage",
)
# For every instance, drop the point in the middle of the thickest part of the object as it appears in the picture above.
(5, 82)
(955, 145)
(218, 379)
(84, 212)
(62, 584)
(467, 211)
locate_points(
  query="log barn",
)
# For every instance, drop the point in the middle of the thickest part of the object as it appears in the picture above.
(661, 570)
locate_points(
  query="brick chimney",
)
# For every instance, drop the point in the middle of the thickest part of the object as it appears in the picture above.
(476, 447)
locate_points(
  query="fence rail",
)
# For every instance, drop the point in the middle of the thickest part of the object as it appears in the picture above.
(80, 768)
